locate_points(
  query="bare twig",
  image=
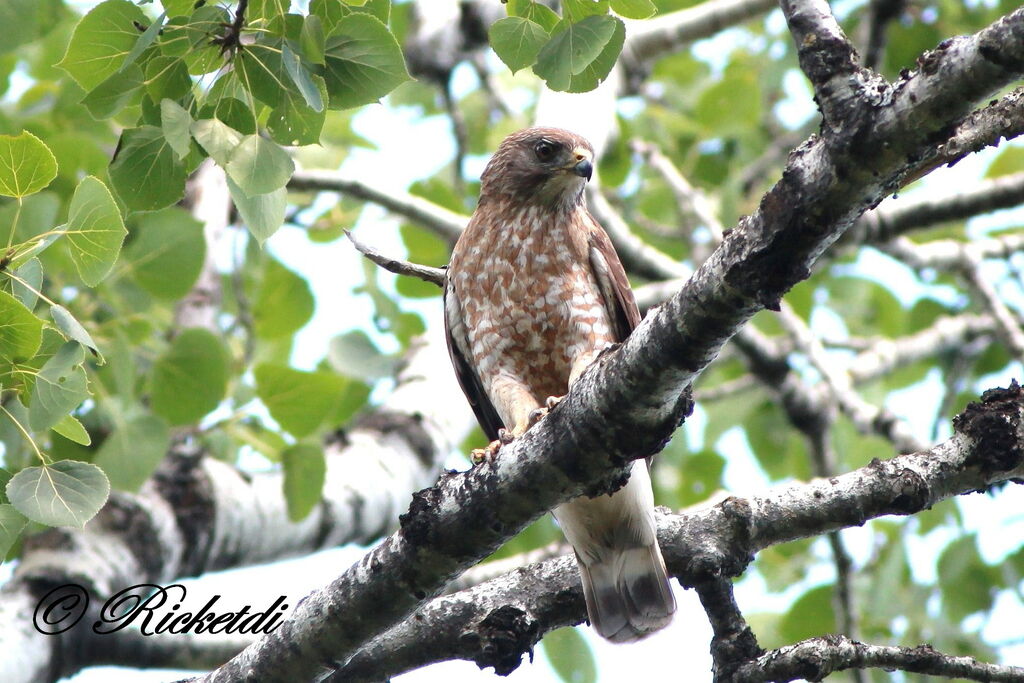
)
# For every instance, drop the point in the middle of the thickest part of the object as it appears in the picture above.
(693, 204)
(1008, 326)
(966, 259)
(880, 14)
(434, 217)
(866, 417)
(637, 256)
(894, 219)
(673, 31)
(946, 334)
(816, 658)
(399, 267)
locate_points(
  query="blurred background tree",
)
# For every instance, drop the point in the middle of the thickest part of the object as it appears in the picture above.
(190, 349)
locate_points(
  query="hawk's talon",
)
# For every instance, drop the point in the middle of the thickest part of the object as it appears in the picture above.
(486, 454)
(505, 436)
(535, 416)
(552, 401)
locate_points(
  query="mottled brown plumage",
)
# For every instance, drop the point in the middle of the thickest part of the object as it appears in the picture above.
(535, 292)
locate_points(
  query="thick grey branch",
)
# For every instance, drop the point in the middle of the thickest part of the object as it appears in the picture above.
(495, 623)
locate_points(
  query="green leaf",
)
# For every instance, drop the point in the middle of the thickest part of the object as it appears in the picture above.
(22, 21)
(12, 523)
(634, 9)
(131, 454)
(304, 472)
(570, 656)
(700, 476)
(262, 214)
(259, 166)
(302, 78)
(176, 124)
(732, 105)
(299, 401)
(283, 304)
(29, 283)
(576, 10)
(146, 175)
(311, 39)
(36, 215)
(811, 615)
(354, 355)
(59, 388)
(261, 69)
(966, 583)
(535, 12)
(144, 41)
(190, 378)
(867, 306)
(20, 331)
(778, 448)
(72, 329)
(293, 122)
(101, 41)
(94, 229)
(26, 165)
(114, 93)
(217, 138)
(1010, 160)
(167, 77)
(177, 8)
(579, 56)
(66, 493)
(70, 428)
(517, 41)
(363, 62)
(166, 253)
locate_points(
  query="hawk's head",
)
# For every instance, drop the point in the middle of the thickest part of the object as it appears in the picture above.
(540, 166)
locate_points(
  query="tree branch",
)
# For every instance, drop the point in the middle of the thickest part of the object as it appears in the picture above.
(495, 623)
(884, 224)
(397, 266)
(628, 401)
(671, 32)
(441, 221)
(816, 658)
(198, 514)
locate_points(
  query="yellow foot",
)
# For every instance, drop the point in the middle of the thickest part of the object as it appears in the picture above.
(490, 452)
(538, 413)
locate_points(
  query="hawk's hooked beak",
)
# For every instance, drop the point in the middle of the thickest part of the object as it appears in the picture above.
(583, 167)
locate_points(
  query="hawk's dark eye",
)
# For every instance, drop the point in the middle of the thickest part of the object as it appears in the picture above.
(545, 150)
